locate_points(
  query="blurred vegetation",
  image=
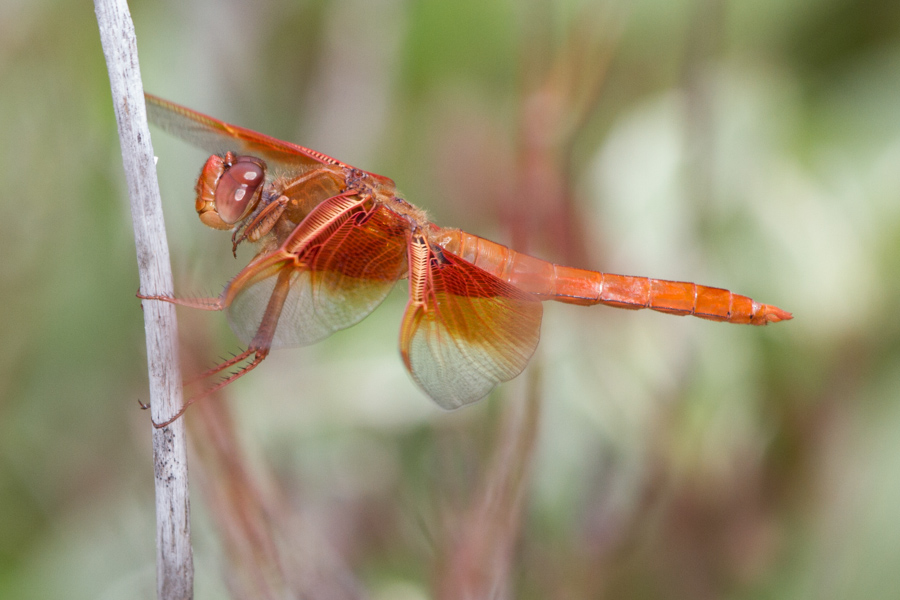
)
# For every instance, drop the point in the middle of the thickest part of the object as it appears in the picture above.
(748, 145)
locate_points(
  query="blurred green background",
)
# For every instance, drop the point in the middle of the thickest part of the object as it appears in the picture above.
(753, 145)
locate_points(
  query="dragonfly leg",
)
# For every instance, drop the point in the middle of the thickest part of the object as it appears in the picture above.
(259, 354)
(198, 303)
(261, 224)
(258, 348)
(236, 359)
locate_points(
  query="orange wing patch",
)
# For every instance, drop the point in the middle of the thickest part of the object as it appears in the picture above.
(464, 330)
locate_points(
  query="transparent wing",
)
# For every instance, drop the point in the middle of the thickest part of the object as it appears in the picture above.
(218, 137)
(339, 276)
(472, 332)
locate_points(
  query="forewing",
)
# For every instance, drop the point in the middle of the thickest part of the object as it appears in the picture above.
(339, 277)
(218, 137)
(472, 331)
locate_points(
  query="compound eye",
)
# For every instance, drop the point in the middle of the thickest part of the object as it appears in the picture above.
(239, 189)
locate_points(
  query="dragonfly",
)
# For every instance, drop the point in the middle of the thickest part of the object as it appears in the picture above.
(333, 240)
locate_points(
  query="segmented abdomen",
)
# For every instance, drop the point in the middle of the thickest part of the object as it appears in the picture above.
(578, 286)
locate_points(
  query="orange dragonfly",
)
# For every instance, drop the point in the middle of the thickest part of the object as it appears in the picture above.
(333, 240)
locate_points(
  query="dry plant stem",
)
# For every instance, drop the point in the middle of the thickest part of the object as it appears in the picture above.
(175, 568)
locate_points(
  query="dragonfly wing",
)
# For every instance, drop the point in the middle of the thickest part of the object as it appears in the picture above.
(340, 275)
(218, 137)
(465, 330)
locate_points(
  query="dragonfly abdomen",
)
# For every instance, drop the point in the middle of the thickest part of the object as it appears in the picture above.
(549, 281)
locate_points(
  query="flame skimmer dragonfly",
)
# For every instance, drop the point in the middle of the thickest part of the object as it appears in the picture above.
(333, 241)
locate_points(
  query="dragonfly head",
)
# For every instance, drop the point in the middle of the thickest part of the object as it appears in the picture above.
(229, 188)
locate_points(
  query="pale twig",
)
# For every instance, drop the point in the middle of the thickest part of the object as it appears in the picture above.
(175, 568)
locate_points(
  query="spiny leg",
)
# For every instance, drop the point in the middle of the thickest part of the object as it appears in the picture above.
(259, 355)
(198, 303)
(258, 348)
(237, 358)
